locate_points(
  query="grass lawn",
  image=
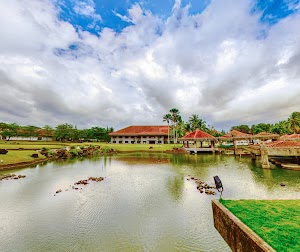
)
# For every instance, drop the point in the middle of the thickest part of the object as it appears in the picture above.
(8, 145)
(140, 147)
(275, 221)
(17, 156)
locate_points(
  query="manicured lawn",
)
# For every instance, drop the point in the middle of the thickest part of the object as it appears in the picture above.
(275, 221)
(140, 147)
(30, 145)
(17, 156)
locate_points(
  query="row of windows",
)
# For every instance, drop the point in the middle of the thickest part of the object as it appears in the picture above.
(137, 137)
(132, 142)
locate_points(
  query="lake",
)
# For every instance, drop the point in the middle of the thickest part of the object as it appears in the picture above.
(145, 202)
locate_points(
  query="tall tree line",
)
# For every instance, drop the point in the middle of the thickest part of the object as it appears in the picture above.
(62, 132)
(180, 128)
(289, 126)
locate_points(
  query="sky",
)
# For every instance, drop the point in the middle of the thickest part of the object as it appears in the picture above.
(120, 63)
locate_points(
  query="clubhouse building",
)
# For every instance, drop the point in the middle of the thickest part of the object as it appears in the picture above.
(141, 135)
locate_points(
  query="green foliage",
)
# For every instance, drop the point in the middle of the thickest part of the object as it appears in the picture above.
(197, 123)
(64, 132)
(261, 127)
(242, 128)
(51, 153)
(276, 221)
(74, 152)
(294, 122)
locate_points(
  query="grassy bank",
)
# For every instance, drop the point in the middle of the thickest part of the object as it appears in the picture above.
(19, 156)
(141, 147)
(276, 221)
(20, 151)
(32, 145)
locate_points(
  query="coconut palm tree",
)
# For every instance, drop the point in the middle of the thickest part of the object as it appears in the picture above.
(167, 118)
(294, 122)
(175, 114)
(197, 123)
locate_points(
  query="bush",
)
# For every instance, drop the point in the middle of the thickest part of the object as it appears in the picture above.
(74, 152)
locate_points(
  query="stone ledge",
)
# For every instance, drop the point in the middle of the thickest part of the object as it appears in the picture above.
(238, 236)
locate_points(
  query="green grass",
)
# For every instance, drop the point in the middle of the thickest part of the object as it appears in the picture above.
(18, 156)
(275, 221)
(140, 147)
(34, 145)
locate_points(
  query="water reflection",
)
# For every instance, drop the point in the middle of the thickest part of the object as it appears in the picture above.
(175, 186)
(145, 202)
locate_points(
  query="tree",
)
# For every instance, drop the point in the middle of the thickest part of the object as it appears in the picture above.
(175, 118)
(280, 128)
(294, 122)
(167, 118)
(65, 132)
(197, 123)
(261, 127)
(11, 130)
(242, 128)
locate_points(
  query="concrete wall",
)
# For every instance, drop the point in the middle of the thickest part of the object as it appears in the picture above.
(238, 236)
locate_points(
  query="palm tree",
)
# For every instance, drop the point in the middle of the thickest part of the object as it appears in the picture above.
(294, 122)
(167, 118)
(197, 123)
(193, 120)
(175, 115)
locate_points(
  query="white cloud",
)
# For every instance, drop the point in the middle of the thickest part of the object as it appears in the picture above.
(213, 64)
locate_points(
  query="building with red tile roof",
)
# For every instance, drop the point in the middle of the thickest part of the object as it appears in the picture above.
(198, 136)
(141, 134)
(236, 134)
(292, 137)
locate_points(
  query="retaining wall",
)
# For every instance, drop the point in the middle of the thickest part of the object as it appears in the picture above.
(238, 236)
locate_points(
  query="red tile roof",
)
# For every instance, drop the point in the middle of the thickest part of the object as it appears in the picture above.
(283, 144)
(266, 135)
(235, 133)
(141, 131)
(290, 137)
(197, 134)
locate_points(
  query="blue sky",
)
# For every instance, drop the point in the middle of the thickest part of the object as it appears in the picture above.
(120, 63)
(107, 9)
(270, 11)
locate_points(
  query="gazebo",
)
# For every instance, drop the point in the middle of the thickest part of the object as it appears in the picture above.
(195, 140)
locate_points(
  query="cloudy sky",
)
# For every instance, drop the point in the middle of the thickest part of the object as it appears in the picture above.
(119, 63)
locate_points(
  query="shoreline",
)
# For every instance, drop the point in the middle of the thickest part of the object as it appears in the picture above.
(23, 164)
(36, 162)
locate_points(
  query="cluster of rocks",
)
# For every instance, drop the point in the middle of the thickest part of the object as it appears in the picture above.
(203, 187)
(11, 176)
(75, 152)
(82, 182)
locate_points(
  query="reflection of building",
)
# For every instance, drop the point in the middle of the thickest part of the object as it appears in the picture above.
(141, 134)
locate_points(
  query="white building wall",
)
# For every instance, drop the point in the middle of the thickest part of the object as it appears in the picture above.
(137, 139)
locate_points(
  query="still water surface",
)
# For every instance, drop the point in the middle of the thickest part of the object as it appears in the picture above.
(145, 202)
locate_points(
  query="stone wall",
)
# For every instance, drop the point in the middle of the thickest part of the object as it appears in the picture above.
(238, 236)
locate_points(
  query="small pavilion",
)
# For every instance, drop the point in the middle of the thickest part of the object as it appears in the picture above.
(198, 140)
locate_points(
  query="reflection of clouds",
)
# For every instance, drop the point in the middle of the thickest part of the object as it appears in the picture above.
(143, 206)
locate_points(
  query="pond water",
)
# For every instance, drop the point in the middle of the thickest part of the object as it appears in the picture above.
(145, 202)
